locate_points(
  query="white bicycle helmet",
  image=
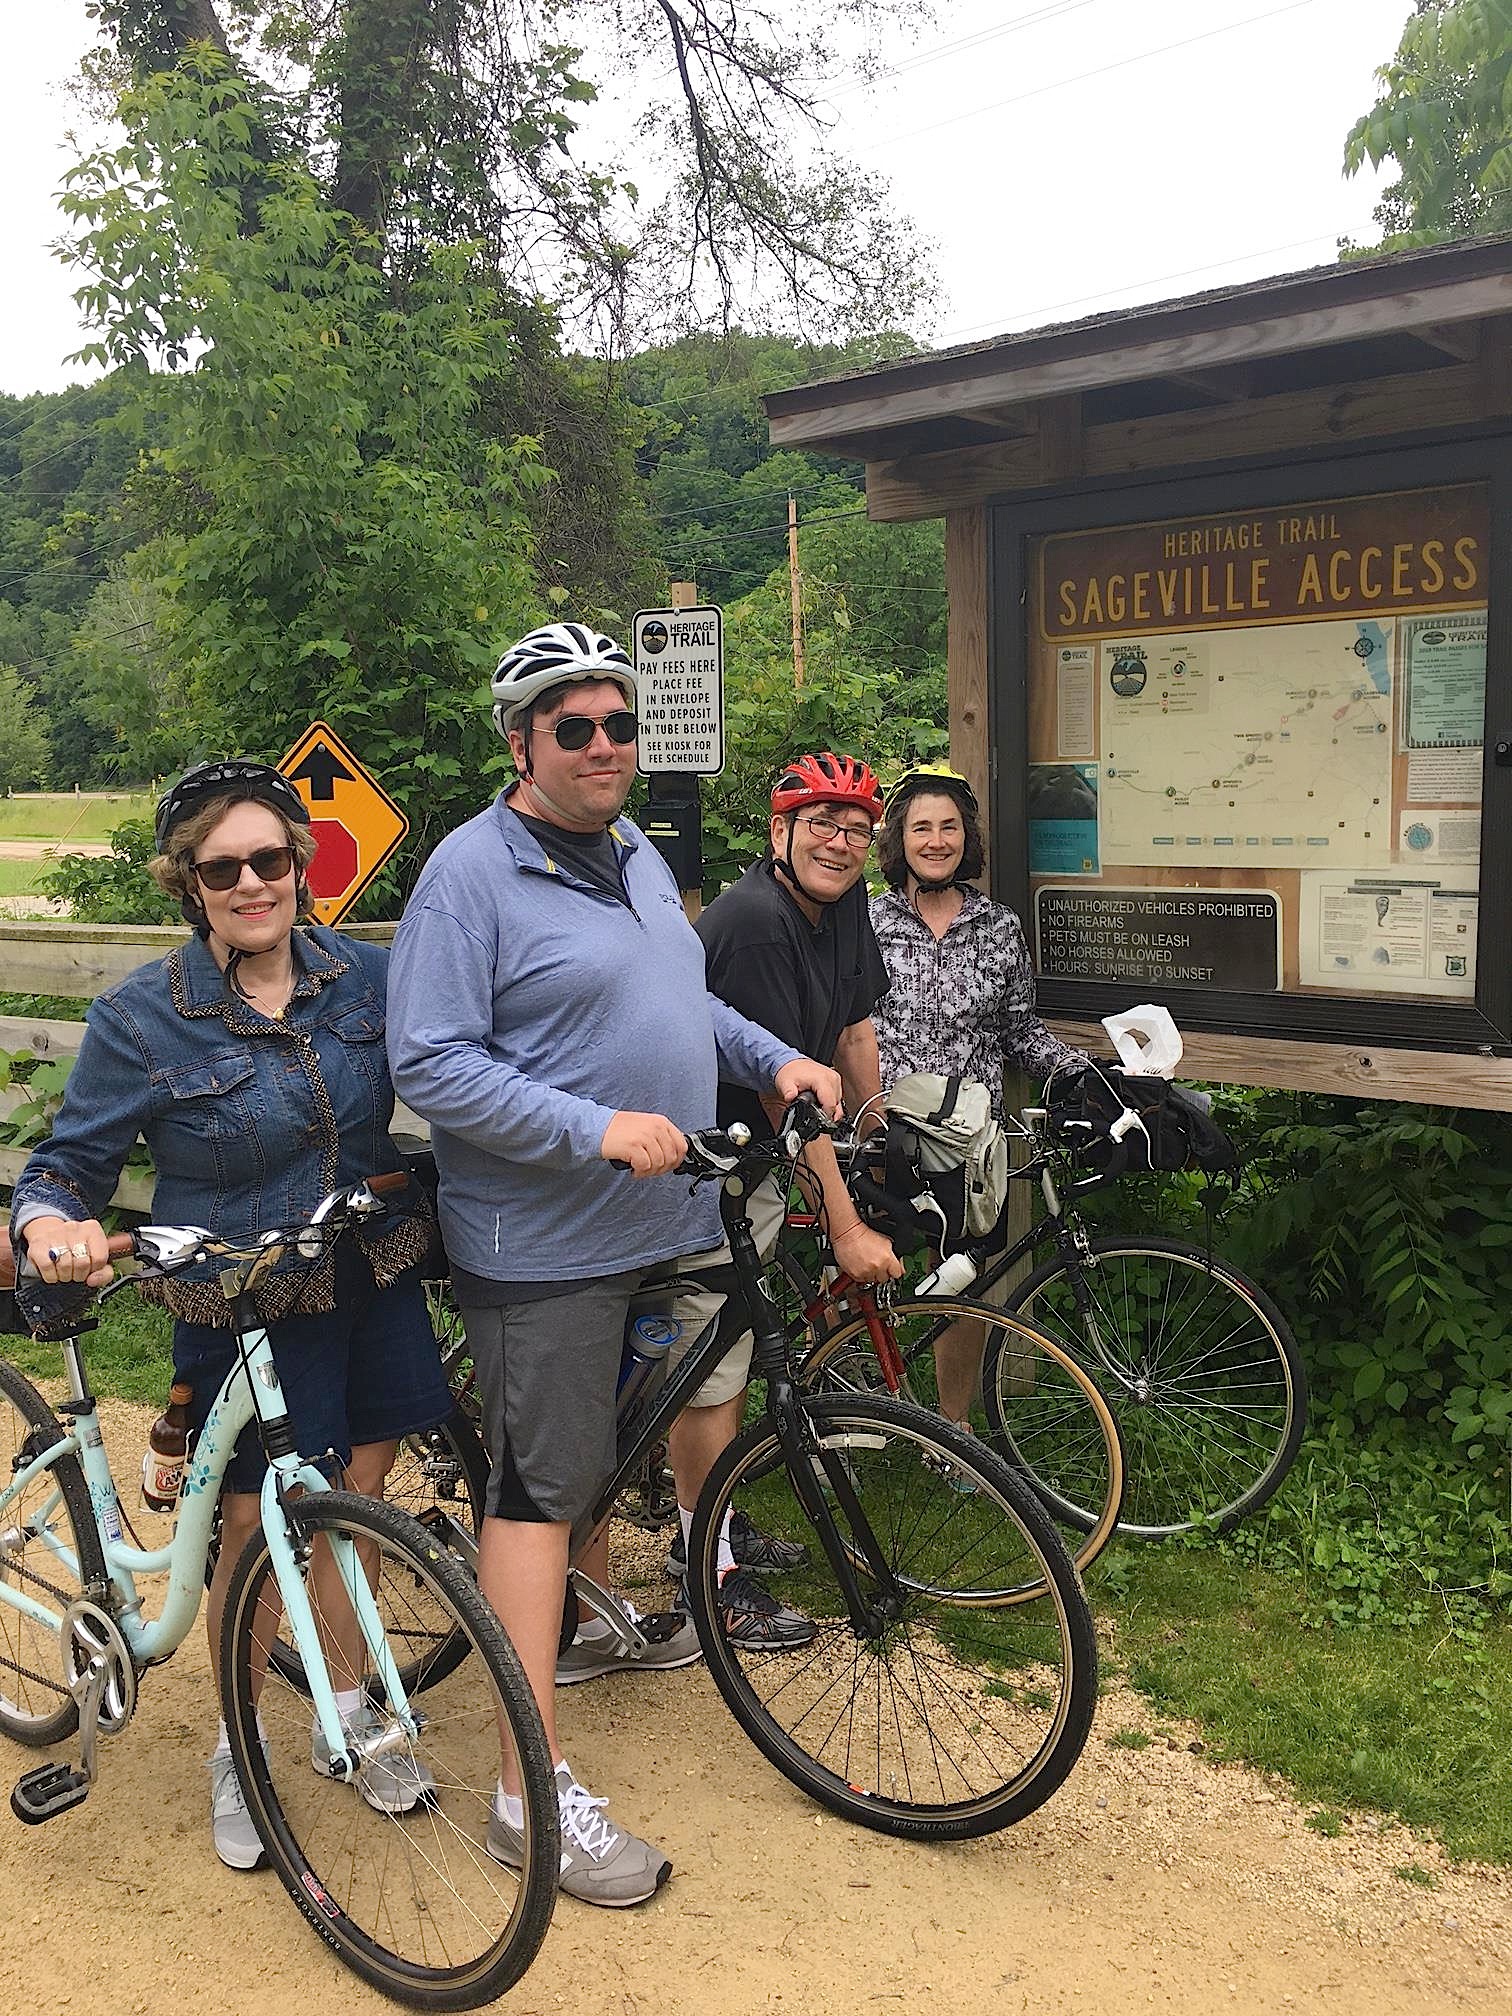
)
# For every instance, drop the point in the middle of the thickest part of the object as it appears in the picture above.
(558, 654)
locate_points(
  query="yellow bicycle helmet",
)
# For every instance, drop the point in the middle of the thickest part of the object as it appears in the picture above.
(930, 777)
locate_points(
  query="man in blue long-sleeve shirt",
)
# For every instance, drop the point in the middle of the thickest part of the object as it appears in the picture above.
(548, 1014)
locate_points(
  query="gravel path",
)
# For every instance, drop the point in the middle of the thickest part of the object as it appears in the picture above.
(1154, 1879)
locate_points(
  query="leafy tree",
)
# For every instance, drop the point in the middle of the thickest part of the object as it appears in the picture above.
(24, 755)
(471, 119)
(1444, 117)
(346, 544)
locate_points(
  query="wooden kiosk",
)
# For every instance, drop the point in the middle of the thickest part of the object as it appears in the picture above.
(1230, 585)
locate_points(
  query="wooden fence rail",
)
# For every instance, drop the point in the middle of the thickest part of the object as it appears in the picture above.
(78, 961)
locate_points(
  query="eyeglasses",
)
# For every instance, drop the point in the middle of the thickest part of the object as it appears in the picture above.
(575, 731)
(268, 864)
(826, 829)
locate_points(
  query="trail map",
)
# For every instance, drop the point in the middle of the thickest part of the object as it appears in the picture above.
(1249, 746)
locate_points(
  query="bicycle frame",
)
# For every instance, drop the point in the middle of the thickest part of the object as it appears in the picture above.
(251, 1389)
(649, 1418)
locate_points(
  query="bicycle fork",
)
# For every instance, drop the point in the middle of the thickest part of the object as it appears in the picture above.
(348, 1757)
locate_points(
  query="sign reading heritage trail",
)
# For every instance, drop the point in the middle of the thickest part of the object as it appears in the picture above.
(679, 669)
(1182, 937)
(356, 824)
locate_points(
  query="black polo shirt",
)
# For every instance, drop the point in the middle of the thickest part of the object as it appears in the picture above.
(805, 982)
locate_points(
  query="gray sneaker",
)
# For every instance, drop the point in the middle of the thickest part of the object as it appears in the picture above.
(601, 1863)
(671, 1641)
(236, 1840)
(396, 1782)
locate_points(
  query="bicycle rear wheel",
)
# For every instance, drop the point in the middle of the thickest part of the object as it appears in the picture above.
(413, 1902)
(1199, 1363)
(1053, 1421)
(952, 1713)
(50, 1551)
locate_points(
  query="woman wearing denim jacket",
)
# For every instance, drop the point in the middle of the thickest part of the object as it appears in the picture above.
(252, 1061)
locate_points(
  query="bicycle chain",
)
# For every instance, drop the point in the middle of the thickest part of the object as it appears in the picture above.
(40, 1679)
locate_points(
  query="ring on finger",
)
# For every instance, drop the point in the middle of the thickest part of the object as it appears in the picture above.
(79, 1250)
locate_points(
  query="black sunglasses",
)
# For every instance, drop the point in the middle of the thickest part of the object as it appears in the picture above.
(575, 731)
(268, 864)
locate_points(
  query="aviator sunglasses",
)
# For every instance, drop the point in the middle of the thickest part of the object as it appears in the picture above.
(575, 731)
(223, 872)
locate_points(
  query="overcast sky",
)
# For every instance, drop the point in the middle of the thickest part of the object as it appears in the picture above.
(1064, 156)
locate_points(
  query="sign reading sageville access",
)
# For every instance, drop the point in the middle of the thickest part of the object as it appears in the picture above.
(1353, 556)
(356, 824)
(679, 671)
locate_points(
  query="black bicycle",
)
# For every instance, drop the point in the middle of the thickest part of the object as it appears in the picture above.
(951, 1679)
(1200, 1366)
(950, 1683)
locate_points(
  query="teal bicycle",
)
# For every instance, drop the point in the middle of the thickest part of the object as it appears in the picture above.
(409, 1899)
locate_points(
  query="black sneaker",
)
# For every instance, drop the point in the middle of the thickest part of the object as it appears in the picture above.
(753, 1617)
(762, 1552)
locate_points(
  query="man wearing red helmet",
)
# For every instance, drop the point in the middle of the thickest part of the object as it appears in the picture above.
(790, 945)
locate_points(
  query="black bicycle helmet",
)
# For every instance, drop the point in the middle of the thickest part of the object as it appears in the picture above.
(236, 775)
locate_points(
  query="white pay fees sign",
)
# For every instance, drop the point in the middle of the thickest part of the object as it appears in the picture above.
(679, 669)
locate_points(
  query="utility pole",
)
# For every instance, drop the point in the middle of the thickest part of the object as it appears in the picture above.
(795, 593)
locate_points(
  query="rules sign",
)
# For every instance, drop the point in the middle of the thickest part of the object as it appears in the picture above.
(679, 668)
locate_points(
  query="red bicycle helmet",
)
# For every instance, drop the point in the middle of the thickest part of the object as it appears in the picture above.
(827, 779)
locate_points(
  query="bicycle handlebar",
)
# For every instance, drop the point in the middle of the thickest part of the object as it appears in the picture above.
(54, 1310)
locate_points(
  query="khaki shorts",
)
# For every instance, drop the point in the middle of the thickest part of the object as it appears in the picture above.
(768, 1208)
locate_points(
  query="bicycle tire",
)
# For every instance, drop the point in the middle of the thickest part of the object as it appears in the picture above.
(1008, 1689)
(412, 1903)
(1060, 1430)
(36, 1707)
(1200, 1365)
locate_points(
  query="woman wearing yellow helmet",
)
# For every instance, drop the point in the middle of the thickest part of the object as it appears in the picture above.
(961, 1000)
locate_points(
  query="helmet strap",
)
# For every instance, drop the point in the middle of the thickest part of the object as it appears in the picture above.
(787, 868)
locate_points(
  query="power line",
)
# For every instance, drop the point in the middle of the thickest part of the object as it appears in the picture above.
(940, 50)
(1136, 286)
(1083, 76)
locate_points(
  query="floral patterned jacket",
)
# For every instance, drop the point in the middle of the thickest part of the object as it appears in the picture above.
(962, 1004)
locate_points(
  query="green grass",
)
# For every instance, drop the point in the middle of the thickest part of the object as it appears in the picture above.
(127, 1357)
(65, 817)
(1326, 1821)
(1415, 1722)
(22, 878)
(1131, 1739)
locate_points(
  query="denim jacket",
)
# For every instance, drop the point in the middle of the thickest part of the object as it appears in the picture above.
(250, 1120)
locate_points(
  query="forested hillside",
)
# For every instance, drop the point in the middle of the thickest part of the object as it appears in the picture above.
(653, 470)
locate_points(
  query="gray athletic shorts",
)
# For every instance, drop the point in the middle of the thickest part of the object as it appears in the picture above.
(546, 1376)
(768, 1209)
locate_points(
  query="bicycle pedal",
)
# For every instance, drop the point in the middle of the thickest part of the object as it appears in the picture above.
(48, 1791)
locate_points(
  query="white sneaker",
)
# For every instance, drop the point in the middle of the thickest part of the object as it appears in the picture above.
(237, 1841)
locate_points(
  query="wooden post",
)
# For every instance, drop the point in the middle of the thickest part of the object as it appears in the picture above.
(795, 592)
(966, 649)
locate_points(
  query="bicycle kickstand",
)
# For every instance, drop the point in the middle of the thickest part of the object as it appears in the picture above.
(57, 1788)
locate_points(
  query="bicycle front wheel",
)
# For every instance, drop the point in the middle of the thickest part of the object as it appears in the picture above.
(1199, 1363)
(394, 1870)
(1053, 1421)
(49, 1551)
(944, 1712)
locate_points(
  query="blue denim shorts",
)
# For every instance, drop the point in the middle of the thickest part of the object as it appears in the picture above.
(366, 1371)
